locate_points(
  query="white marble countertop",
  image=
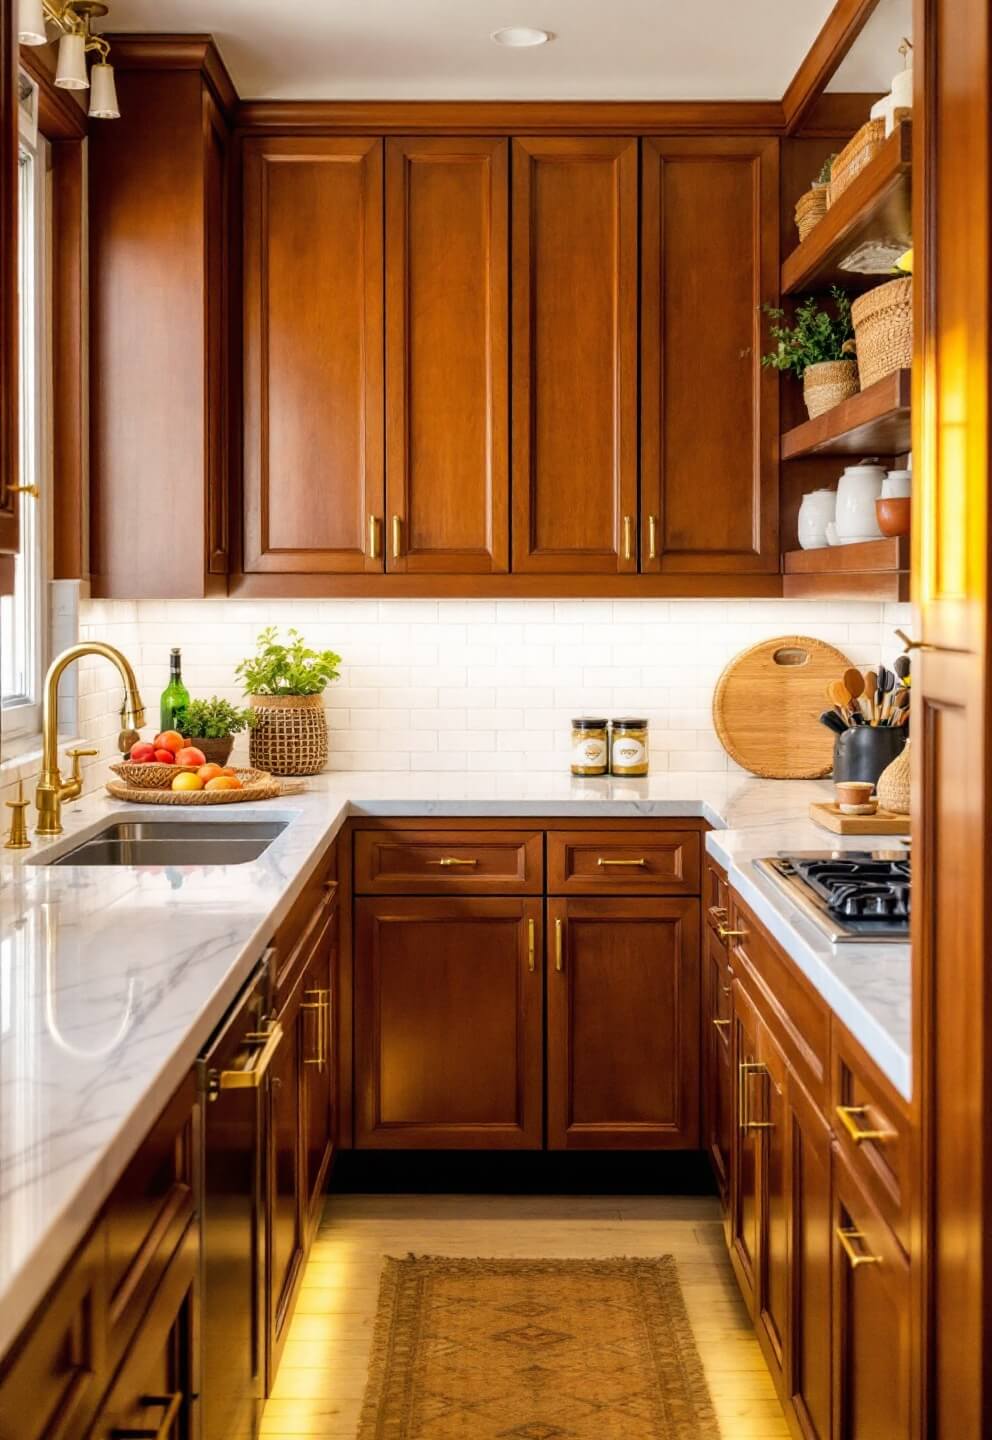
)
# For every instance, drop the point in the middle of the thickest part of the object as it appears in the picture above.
(112, 980)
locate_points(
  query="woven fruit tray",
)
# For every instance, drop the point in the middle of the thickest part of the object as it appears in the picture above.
(255, 785)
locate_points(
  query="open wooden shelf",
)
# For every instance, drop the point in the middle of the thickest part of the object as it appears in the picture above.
(877, 205)
(872, 570)
(876, 421)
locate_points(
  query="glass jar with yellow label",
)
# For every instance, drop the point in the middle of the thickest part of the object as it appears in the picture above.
(629, 747)
(590, 755)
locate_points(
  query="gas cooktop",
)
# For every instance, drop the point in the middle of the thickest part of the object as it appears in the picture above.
(848, 894)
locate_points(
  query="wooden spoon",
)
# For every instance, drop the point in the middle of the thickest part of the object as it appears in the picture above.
(871, 685)
(838, 694)
(854, 682)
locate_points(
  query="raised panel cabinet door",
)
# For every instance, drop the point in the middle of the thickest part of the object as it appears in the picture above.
(871, 1319)
(285, 1202)
(809, 1375)
(448, 1023)
(623, 1024)
(447, 356)
(709, 411)
(574, 368)
(318, 1067)
(745, 1179)
(717, 1093)
(313, 382)
(765, 1113)
(10, 507)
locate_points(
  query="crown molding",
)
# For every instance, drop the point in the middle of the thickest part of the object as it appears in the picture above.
(178, 52)
(823, 59)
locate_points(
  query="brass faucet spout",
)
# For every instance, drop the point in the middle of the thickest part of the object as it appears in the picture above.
(52, 790)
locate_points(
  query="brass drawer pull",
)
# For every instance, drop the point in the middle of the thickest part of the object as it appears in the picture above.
(559, 959)
(449, 860)
(652, 537)
(172, 1403)
(251, 1078)
(604, 863)
(628, 537)
(726, 934)
(721, 1024)
(373, 537)
(321, 1003)
(746, 1069)
(33, 490)
(847, 1236)
(397, 537)
(531, 948)
(846, 1115)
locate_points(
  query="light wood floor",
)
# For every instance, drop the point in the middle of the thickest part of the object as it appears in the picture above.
(322, 1378)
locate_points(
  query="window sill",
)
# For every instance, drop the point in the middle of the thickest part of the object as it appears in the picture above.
(22, 757)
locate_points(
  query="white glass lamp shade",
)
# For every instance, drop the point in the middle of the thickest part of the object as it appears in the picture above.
(71, 73)
(31, 23)
(103, 93)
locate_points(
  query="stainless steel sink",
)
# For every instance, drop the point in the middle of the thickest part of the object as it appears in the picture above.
(173, 842)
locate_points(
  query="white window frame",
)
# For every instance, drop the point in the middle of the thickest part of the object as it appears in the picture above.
(21, 718)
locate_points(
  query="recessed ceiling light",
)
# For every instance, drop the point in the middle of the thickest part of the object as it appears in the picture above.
(519, 36)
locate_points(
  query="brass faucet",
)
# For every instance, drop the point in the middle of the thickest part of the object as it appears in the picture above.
(52, 789)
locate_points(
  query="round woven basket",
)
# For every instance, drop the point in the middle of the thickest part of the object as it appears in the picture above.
(255, 786)
(811, 209)
(151, 775)
(827, 384)
(856, 154)
(883, 327)
(290, 734)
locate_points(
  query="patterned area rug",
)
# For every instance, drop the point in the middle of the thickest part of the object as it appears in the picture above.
(534, 1350)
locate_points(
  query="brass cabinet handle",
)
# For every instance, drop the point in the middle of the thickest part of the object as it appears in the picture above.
(721, 1024)
(373, 537)
(652, 537)
(909, 644)
(397, 537)
(628, 537)
(172, 1403)
(321, 1004)
(531, 951)
(746, 1069)
(847, 1235)
(726, 934)
(846, 1115)
(448, 861)
(252, 1076)
(601, 861)
(33, 490)
(559, 961)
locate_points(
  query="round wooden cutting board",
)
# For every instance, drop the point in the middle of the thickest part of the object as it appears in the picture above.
(767, 704)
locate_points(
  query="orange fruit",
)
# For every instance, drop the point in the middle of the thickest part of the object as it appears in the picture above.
(224, 782)
(169, 740)
(187, 781)
(228, 770)
(210, 771)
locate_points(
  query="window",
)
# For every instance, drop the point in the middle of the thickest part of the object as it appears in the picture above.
(23, 615)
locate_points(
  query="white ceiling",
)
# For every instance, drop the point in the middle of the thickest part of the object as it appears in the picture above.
(875, 58)
(414, 49)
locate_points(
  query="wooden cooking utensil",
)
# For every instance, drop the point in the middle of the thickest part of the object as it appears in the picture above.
(886, 685)
(838, 694)
(833, 722)
(854, 682)
(901, 666)
(871, 685)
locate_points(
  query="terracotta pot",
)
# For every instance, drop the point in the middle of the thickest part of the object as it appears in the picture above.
(218, 751)
(893, 513)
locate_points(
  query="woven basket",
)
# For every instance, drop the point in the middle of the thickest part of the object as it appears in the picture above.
(150, 776)
(255, 786)
(883, 326)
(856, 154)
(290, 734)
(893, 784)
(827, 384)
(811, 209)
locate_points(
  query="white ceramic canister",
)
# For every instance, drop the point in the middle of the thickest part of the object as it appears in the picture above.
(815, 514)
(897, 485)
(859, 487)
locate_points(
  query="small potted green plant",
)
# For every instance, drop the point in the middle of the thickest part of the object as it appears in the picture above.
(812, 206)
(817, 347)
(213, 724)
(285, 684)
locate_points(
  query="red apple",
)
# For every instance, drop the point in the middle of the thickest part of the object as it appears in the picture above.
(189, 755)
(142, 753)
(165, 757)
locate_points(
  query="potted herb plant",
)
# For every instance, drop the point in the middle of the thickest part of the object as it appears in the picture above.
(817, 347)
(213, 724)
(285, 684)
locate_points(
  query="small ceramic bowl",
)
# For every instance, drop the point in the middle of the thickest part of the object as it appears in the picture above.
(853, 792)
(893, 514)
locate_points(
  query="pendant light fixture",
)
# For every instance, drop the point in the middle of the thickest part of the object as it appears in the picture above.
(72, 20)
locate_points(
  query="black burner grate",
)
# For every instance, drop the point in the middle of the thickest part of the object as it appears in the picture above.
(859, 887)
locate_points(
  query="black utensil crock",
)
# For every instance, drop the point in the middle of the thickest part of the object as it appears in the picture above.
(864, 751)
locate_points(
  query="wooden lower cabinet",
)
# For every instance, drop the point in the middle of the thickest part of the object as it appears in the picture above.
(449, 1005)
(318, 1101)
(808, 1378)
(286, 1236)
(717, 1113)
(623, 1024)
(745, 1180)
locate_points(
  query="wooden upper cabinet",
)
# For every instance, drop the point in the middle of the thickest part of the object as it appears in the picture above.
(9, 500)
(574, 367)
(447, 356)
(313, 397)
(709, 412)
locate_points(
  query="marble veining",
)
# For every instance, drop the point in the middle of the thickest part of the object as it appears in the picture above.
(112, 980)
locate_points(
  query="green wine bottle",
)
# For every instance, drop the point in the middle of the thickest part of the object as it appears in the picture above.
(175, 696)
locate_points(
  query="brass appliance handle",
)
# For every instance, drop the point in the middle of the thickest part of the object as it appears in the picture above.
(531, 948)
(847, 1235)
(251, 1078)
(846, 1115)
(559, 960)
(172, 1403)
(604, 863)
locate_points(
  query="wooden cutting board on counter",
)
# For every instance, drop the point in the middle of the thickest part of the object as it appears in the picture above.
(767, 704)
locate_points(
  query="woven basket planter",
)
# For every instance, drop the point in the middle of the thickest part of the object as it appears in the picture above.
(811, 209)
(856, 154)
(290, 735)
(893, 785)
(883, 325)
(827, 384)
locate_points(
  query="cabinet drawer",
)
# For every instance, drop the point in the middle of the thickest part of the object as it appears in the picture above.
(716, 896)
(797, 1016)
(631, 862)
(872, 1131)
(431, 862)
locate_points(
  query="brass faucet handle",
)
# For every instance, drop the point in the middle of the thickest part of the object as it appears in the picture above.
(18, 838)
(75, 755)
